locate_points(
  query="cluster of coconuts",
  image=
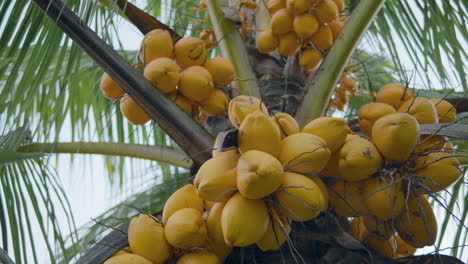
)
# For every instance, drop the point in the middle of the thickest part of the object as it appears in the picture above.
(383, 179)
(308, 26)
(181, 71)
(347, 85)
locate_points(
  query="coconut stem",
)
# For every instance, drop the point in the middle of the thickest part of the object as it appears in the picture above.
(321, 85)
(232, 46)
(162, 154)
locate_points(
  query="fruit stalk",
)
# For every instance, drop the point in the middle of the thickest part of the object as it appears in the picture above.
(183, 129)
(232, 47)
(162, 154)
(320, 85)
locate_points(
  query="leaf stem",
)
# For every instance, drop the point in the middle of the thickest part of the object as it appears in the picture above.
(320, 86)
(162, 154)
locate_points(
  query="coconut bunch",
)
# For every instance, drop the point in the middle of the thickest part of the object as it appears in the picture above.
(383, 180)
(305, 26)
(347, 85)
(181, 71)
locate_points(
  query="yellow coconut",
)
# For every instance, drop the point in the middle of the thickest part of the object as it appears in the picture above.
(340, 5)
(196, 83)
(286, 123)
(133, 112)
(421, 108)
(185, 197)
(258, 174)
(323, 37)
(146, 238)
(310, 59)
(326, 11)
(275, 5)
(183, 102)
(127, 259)
(332, 169)
(331, 129)
(386, 247)
(299, 197)
(396, 136)
(369, 113)
(259, 132)
(241, 106)
(199, 257)
(266, 41)
(431, 143)
(305, 25)
(304, 153)
(323, 189)
(156, 44)
(382, 229)
(125, 250)
(403, 249)
(215, 242)
(417, 224)
(189, 51)
(348, 83)
(109, 88)
(359, 159)
(298, 6)
(186, 229)
(346, 198)
(336, 26)
(393, 94)
(216, 178)
(288, 44)
(276, 234)
(216, 104)
(282, 22)
(382, 197)
(244, 221)
(163, 73)
(438, 170)
(358, 229)
(445, 110)
(221, 70)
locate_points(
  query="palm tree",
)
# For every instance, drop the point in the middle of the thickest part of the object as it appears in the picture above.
(48, 80)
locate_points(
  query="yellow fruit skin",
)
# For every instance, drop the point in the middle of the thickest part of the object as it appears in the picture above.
(305, 25)
(323, 190)
(215, 242)
(185, 197)
(163, 73)
(358, 229)
(288, 44)
(299, 197)
(332, 169)
(304, 153)
(323, 37)
(216, 104)
(326, 11)
(127, 259)
(125, 250)
(266, 41)
(438, 170)
(346, 198)
(417, 224)
(445, 110)
(259, 132)
(332, 130)
(282, 22)
(244, 221)
(196, 83)
(396, 136)
(146, 238)
(310, 59)
(241, 106)
(369, 113)
(216, 178)
(183, 102)
(382, 229)
(156, 44)
(221, 70)
(359, 159)
(258, 174)
(186, 229)
(189, 51)
(199, 257)
(403, 249)
(431, 143)
(383, 199)
(286, 123)
(386, 247)
(133, 112)
(275, 236)
(275, 5)
(298, 6)
(109, 88)
(422, 109)
(340, 5)
(336, 26)
(393, 94)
